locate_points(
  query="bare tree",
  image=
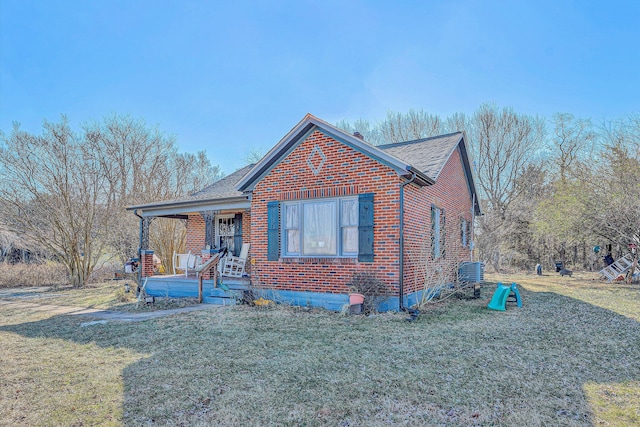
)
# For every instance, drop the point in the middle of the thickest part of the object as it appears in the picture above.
(416, 124)
(572, 139)
(143, 165)
(397, 127)
(504, 142)
(254, 155)
(457, 122)
(68, 192)
(541, 198)
(595, 198)
(54, 192)
(370, 133)
(612, 206)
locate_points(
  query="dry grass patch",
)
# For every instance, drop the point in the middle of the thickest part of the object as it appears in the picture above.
(109, 295)
(557, 361)
(49, 379)
(34, 274)
(587, 287)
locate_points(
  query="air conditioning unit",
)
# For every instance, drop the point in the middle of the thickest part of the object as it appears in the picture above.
(471, 272)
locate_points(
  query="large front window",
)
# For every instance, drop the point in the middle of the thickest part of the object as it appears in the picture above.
(324, 227)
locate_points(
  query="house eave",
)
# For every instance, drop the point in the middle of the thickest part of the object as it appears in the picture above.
(467, 163)
(182, 207)
(420, 179)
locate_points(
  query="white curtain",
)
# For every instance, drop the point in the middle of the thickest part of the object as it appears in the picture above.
(349, 226)
(291, 221)
(319, 221)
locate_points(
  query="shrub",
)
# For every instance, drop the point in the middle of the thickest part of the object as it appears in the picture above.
(32, 274)
(368, 284)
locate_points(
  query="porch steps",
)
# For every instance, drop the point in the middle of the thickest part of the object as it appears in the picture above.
(219, 296)
(621, 266)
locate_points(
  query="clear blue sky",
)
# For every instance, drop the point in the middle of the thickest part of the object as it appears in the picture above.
(226, 76)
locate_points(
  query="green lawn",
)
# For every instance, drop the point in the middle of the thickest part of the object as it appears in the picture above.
(570, 356)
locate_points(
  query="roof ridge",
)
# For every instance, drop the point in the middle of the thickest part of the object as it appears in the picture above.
(414, 141)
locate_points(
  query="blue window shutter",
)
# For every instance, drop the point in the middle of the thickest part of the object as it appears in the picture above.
(237, 235)
(273, 231)
(365, 227)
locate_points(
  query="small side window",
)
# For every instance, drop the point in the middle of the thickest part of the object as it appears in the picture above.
(437, 232)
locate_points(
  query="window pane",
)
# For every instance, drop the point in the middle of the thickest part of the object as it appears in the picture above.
(436, 233)
(349, 212)
(350, 240)
(463, 232)
(293, 241)
(319, 223)
(226, 231)
(291, 216)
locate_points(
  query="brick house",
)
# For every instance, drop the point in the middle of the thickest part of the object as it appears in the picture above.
(323, 204)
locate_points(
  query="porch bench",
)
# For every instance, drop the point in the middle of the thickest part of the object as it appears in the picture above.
(186, 262)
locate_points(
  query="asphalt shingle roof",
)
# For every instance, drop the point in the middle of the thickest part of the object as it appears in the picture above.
(224, 188)
(428, 155)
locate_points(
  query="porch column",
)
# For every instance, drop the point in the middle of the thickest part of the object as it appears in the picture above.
(145, 223)
(146, 255)
(209, 230)
(209, 240)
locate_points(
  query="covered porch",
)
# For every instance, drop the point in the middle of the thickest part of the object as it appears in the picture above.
(217, 221)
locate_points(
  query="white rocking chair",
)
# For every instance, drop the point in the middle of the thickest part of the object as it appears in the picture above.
(234, 265)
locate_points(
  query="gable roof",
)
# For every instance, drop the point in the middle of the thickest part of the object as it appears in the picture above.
(217, 193)
(307, 126)
(425, 158)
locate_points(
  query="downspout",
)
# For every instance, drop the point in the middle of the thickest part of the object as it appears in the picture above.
(473, 223)
(401, 306)
(135, 212)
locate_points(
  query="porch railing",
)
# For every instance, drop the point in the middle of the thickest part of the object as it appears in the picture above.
(211, 263)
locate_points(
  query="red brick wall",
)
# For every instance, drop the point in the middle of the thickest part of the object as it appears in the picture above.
(195, 234)
(348, 171)
(147, 263)
(450, 193)
(345, 172)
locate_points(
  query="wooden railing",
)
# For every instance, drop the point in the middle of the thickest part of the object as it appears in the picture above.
(211, 263)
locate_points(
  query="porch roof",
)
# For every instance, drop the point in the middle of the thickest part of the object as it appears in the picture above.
(220, 195)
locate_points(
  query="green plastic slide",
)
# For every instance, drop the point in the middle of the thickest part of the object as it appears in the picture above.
(500, 296)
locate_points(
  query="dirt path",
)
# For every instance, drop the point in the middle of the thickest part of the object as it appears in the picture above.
(102, 315)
